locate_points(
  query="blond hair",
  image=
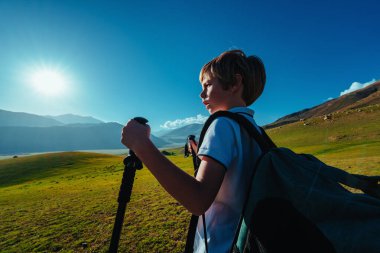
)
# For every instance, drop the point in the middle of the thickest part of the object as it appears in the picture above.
(226, 66)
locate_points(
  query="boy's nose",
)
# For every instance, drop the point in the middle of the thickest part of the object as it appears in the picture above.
(202, 95)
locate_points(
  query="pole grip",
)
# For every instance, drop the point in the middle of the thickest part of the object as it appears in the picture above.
(131, 163)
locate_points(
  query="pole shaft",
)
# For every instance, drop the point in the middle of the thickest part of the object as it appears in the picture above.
(124, 197)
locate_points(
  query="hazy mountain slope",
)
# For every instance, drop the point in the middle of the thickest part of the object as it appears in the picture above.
(177, 137)
(63, 138)
(75, 119)
(8, 118)
(359, 98)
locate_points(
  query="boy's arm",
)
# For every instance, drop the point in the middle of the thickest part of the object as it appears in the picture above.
(195, 194)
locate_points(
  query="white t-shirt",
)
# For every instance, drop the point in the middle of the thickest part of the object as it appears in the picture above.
(223, 143)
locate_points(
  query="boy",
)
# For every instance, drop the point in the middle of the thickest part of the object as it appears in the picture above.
(231, 82)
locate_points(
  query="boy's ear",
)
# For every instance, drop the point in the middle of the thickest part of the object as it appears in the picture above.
(238, 83)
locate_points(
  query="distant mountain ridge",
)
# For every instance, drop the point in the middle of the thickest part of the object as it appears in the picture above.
(75, 119)
(8, 118)
(360, 98)
(28, 133)
(178, 136)
(21, 139)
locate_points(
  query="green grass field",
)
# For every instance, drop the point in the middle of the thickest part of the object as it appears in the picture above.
(66, 202)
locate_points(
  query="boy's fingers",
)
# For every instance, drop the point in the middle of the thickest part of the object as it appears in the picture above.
(132, 130)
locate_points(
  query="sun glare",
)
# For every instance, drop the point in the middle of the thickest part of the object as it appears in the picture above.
(48, 81)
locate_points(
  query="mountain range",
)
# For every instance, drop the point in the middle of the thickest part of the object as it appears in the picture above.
(28, 133)
(8, 118)
(25, 133)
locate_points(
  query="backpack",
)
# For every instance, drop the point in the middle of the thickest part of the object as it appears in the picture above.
(296, 203)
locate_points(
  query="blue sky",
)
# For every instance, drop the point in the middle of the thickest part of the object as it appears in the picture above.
(122, 59)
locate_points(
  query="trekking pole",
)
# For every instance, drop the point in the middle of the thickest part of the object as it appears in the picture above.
(131, 164)
(193, 152)
(194, 218)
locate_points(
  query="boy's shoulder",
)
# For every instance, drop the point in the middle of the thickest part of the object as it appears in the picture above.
(222, 124)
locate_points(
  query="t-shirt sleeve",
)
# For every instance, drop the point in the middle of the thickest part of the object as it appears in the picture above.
(219, 142)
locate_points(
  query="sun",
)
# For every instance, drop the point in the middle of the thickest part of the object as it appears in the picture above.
(48, 81)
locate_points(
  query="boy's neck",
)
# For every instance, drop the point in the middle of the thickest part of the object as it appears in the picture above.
(234, 104)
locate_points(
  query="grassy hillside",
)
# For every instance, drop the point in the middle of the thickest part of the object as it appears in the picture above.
(350, 139)
(66, 202)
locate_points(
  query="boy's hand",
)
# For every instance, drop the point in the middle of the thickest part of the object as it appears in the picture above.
(134, 135)
(192, 145)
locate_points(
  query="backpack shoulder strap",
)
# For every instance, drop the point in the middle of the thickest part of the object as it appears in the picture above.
(263, 139)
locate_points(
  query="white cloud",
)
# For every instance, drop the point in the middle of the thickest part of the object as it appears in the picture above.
(200, 119)
(330, 98)
(356, 86)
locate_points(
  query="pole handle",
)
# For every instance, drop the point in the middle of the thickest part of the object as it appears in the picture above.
(131, 163)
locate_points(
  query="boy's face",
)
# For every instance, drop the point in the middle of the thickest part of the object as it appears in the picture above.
(214, 97)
